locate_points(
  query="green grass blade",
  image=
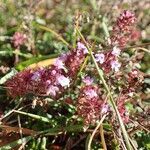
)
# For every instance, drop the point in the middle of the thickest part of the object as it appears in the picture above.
(11, 145)
(26, 63)
(7, 76)
(105, 28)
(87, 141)
(43, 119)
(53, 32)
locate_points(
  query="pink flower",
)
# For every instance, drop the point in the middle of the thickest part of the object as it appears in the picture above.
(19, 39)
(135, 35)
(52, 90)
(90, 93)
(81, 46)
(135, 78)
(100, 58)
(88, 80)
(135, 72)
(53, 72)
(126, 18)
(63, 81)
(64, 56)
(105, 108)
(74, 61)
(89, 104)
(37, 81)
(59, 64)
(122, 109)
(116, 51)
(122, 30)
(48, 82)
(115, 65)
(19, 84)
(36, 76)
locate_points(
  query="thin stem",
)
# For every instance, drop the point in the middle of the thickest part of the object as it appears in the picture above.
(142, 127)
(94, 132)
(100, 73)
(20, 131)
(133, 46)
(54, 33)
(60, 130)
(16, 55)
(11, 111)
(102, 137)
(75, 35)
(143, 49)
(133, 144)
(17, 52)
(83, 65)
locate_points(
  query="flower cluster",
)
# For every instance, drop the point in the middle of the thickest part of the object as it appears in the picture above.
(121, 108)
(134, 80)
(89, 104)
(52, 80)
(123, 29)
(18, 84)
(108, 61)
(18, 39)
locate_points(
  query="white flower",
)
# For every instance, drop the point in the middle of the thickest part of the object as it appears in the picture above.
(100, 58)
(115, 65)
(131, 94)
(116, 51)
(63, 81)
(90, 93)
(52, 90)
(81, 46)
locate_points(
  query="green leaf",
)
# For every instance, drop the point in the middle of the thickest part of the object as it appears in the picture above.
(53, 32)
(11, 145)
(8, 76)
(107, 126)
(87, 141)
(6, 53)
(25, 64)
(59, 130)
(44, 119)
(43, 144)
(129, 107)
(147, 80)
(105, 28)
(38, 144)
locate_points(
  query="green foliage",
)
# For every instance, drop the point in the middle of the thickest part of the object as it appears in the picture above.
(143, 140)
(16, 143)
(8, 76)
